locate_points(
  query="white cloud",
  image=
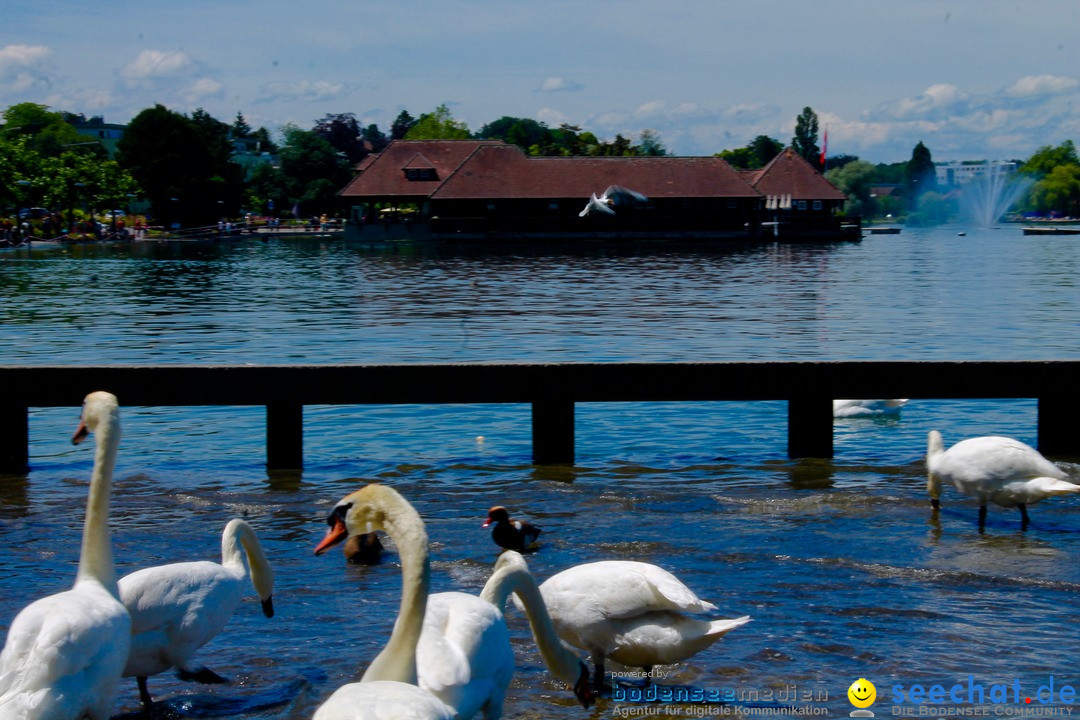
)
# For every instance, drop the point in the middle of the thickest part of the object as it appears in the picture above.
(937, 99)
(303, 91)
(650, 110)
(200, 90)
(1035, 85)
(24, 66)
(559, 84)
(158, 64)
(551, 117)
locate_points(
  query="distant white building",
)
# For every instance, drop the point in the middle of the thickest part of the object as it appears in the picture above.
(956, 174)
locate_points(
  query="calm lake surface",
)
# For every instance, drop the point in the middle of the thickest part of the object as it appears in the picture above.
(840, 564)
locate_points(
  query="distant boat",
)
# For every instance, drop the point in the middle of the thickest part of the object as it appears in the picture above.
(883, 230)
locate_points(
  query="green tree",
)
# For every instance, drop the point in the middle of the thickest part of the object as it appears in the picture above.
(240, 127)
(763, 149)
(342, 131)
(266, 144)
(268, 190)
(48, 133)
(649, 145)
(806, 134)
(739, 158)
(932, 208)
(856, 180)
(401, 126)
(1058, 191)
(21, 180)
(523, 132)
(438, 125)
(183, 165)
(376, 137)
(566, 140)
(1047, 158)
(313, 171)
(757, 154)
(919, 175)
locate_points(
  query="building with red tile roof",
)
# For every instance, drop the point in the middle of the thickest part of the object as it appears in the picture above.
(489, 189)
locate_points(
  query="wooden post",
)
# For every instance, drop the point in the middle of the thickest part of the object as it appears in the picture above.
(14, 440)
(553, 431)
(1057, 426)
(284, 437)
(810, 428)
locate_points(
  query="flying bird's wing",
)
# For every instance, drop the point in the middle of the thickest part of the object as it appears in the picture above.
(618, 195)
(596, 205)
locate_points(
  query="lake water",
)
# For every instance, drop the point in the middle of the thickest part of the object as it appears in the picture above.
(840, 564)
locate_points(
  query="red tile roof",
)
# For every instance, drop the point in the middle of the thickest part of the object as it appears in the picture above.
(384, 175)
(491, 169)
(505, 172)
(789, 174)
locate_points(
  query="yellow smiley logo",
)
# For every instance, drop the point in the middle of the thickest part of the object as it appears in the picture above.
(862, 693)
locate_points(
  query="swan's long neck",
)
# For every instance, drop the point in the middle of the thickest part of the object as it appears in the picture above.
(239, 539)
(96, 558)
(935, 447)
(403, 524)
(562, 663)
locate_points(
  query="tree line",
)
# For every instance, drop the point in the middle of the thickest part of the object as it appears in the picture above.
(186, 166)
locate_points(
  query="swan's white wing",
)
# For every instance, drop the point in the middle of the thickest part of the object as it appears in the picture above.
(1026, 492)
(995, 459)
(464, 655)
(176, 609)
(665, 637)
(383, 700)
(618, 589)
(65, 652)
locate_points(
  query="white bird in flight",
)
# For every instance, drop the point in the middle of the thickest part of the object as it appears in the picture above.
(615, 195)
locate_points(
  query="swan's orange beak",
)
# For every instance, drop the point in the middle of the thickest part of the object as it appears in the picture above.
(81, 433)
(334, 535)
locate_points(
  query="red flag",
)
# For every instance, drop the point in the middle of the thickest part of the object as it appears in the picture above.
(824, 147)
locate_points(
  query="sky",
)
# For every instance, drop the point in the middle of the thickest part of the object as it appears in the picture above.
(971, 79)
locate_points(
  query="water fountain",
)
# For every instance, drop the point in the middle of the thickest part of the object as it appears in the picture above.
(989, 196)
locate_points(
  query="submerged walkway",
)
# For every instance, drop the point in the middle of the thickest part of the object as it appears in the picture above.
(552, 389)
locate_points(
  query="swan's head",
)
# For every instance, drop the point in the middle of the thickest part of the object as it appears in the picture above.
(98, 408)
(510, 561)
(496, 514)
(367, 510)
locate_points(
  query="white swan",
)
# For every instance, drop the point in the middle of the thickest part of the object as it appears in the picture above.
(631, 612)
(867, 408)
(511, 575)
(388, 689)
(177, 608)
(991, 468)
(64, 653)
(464, 655)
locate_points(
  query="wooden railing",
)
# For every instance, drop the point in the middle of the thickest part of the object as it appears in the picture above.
(551, 389)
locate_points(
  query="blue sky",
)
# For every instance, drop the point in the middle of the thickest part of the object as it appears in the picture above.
(972, 79)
